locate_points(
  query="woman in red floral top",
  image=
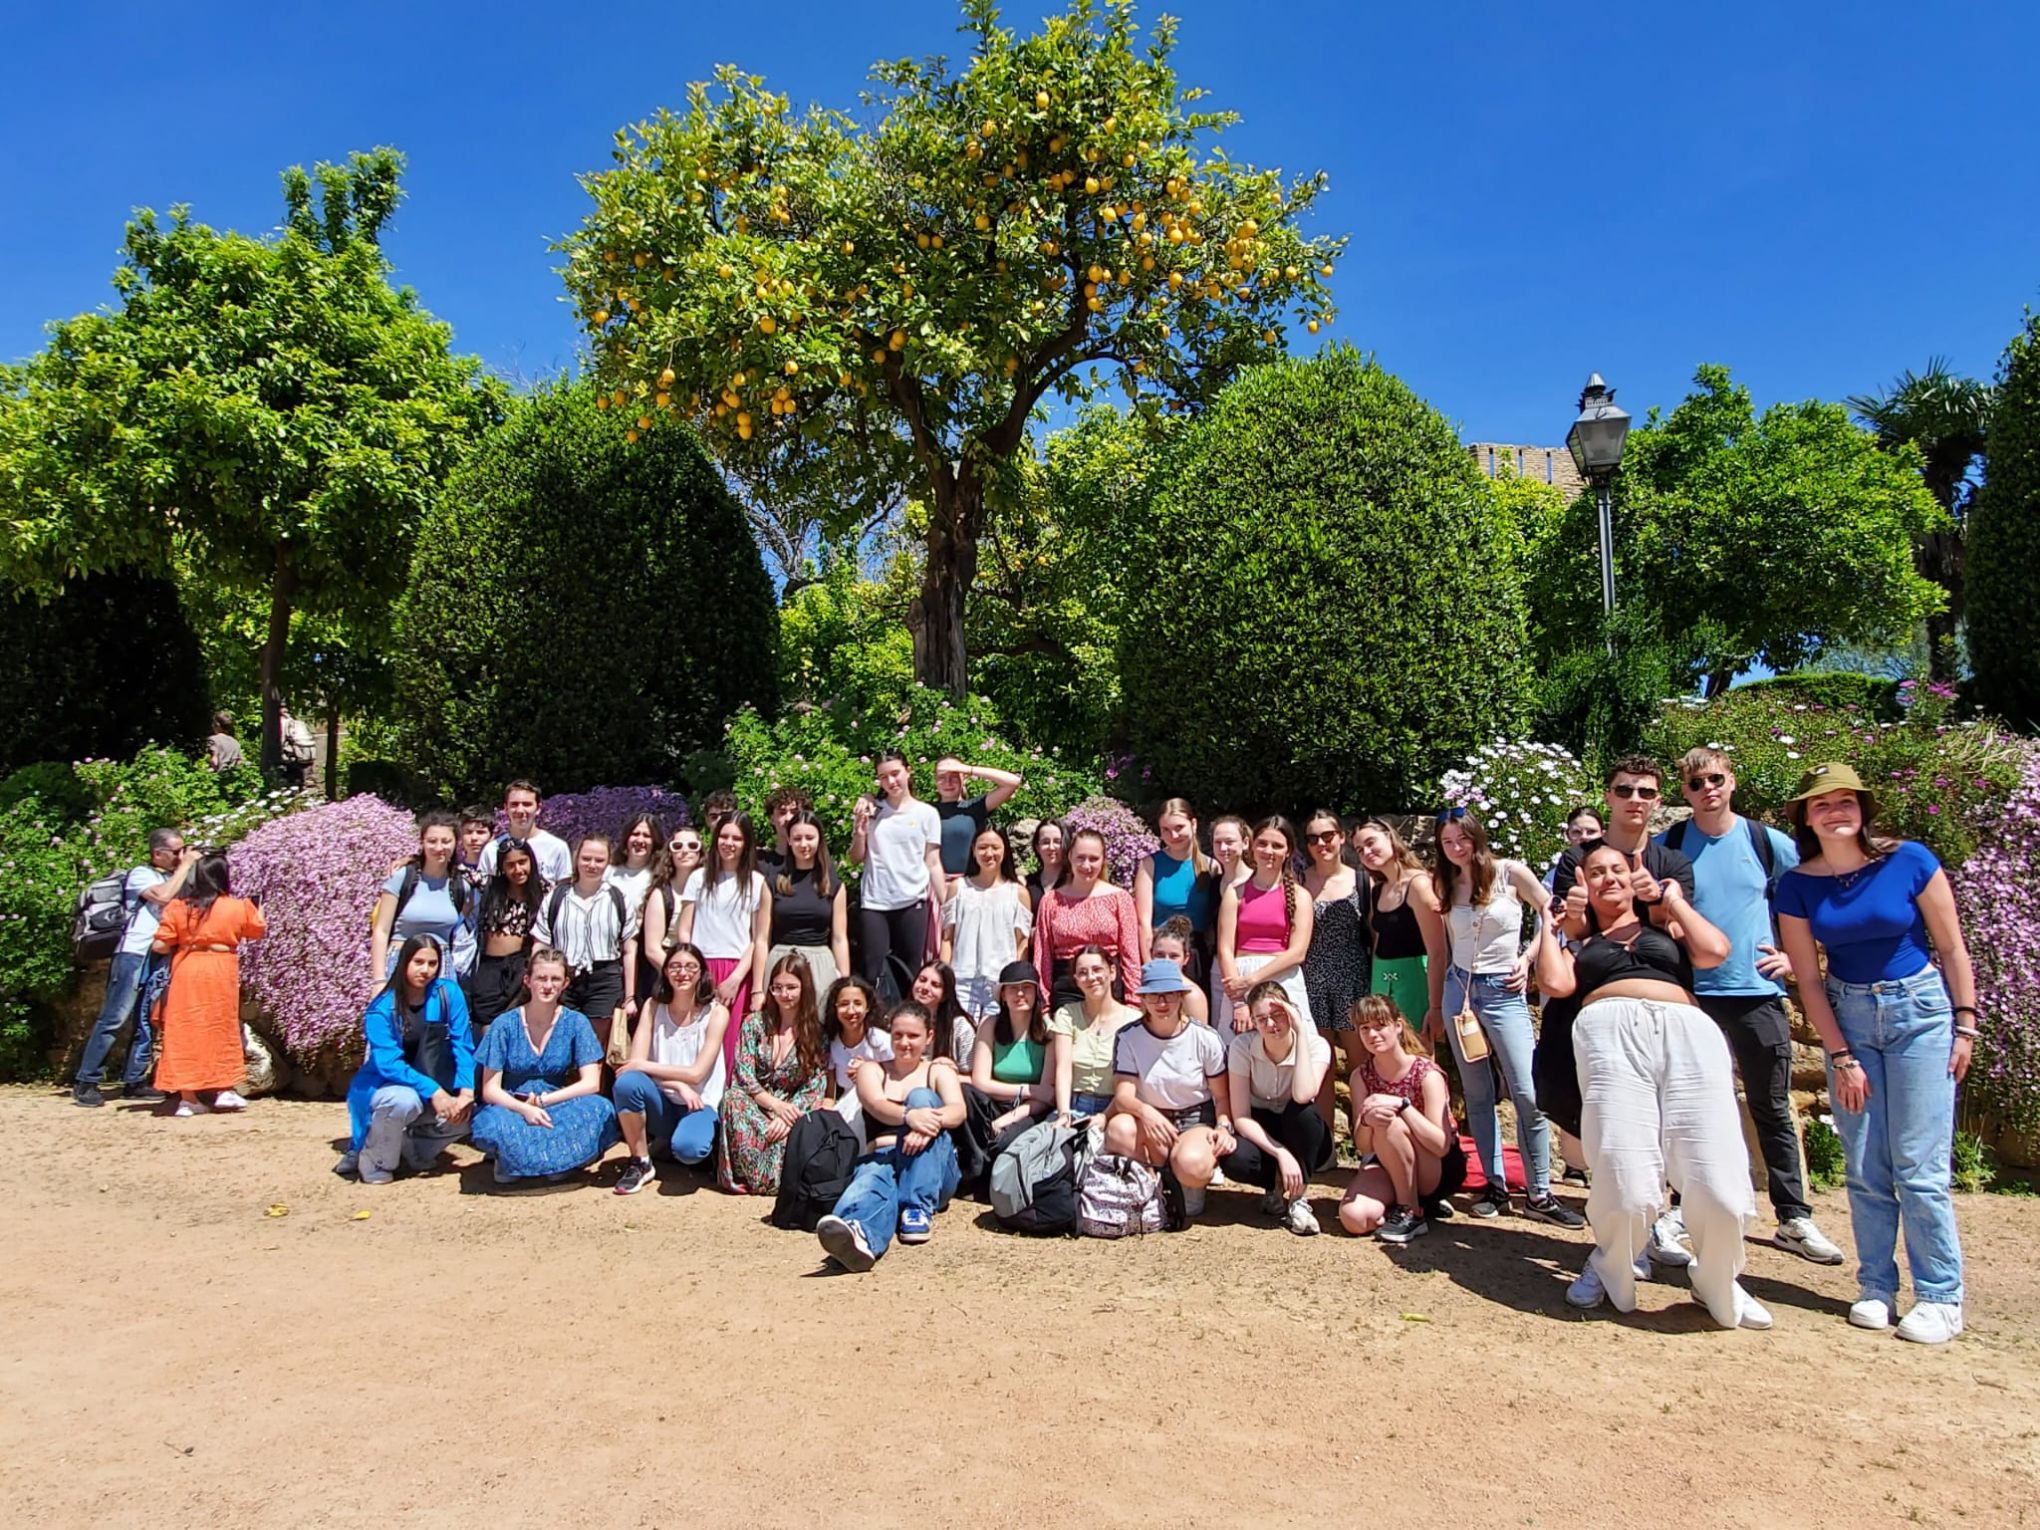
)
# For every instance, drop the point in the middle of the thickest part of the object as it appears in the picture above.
(1403, 1127)
(1086, 910)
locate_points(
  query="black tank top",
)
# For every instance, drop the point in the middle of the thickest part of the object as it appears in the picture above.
(1653, 955)
(1396, 932)
(801, 916)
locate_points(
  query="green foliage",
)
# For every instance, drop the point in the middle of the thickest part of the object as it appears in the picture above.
(1936, 779)
(2004, 542)
(1876, 695)
(1321, 603)
(1054, 218)
(1044, 615)
(1826, 1163)
(1601, 699)
(1776, 535)
(55, 837)
(271, 412)
(1521, 792)
(103, 668)
(1975, 1165)
(578, 612)
(829, 752)
(843, 640)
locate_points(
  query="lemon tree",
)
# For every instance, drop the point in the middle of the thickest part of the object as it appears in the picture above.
(904, 287)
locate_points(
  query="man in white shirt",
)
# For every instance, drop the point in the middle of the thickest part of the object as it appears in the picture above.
(520, 807)
(147, 889)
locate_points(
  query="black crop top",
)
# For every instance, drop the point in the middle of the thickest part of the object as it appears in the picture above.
(1653, 955)
(1397, 934)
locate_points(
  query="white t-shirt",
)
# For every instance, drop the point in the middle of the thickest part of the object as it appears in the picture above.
(723, 913)
(1269, 1083)
(875, 1047)
(144, 915)
(1173, 1073)
(985, 921)
(555, 860)
(896, 855)
(632, 884)
(677, 1046)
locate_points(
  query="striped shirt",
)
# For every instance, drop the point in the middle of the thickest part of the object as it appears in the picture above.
(589, 930)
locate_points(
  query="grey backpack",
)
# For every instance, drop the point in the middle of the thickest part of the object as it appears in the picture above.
(1034, 1181)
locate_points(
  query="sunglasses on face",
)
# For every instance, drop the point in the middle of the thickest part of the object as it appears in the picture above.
(1707, 782)
(1628, 789)
(1324, 837)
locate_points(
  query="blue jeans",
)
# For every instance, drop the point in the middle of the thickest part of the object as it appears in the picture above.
(125, 983)
(1898, 1144)
(1082, 1104)
(671, 1129)
(893, 1180)
(1512, 1037)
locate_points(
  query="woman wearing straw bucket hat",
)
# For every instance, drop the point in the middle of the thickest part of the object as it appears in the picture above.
(1896, 1011)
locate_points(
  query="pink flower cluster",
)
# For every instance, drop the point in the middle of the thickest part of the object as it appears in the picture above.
(1127, 837)
(317, 874)
(1997, 891)
(606, 809)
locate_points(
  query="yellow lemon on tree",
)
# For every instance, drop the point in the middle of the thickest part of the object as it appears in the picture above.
(1041, 100)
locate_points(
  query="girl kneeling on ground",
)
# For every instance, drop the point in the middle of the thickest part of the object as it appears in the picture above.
(910, 1104)
(543, 1113)
(1403, 1127)
(1168, 1083)
(1274, 1073)
(667, 1093)
(415, 1088)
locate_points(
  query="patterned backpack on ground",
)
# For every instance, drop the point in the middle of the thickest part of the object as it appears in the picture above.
(1119, 1197)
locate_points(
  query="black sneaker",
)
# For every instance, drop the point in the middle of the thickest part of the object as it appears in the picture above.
(87, 1095)
(1578, 1177)
(148, 1094)
(1440, 1210)
(1491, 1202)
(638, 1174)
(1556, 1212)
(1402, 1224)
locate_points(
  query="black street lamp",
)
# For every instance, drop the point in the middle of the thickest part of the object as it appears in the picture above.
(1595, 442)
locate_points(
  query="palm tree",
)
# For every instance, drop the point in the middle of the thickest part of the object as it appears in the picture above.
(1947, 418)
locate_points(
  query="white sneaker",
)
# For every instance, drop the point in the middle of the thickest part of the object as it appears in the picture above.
(1667, 1241)
(187, 1108)
(1272, 1204)
(1931, 1322)
(1300, 1218)
(1193, 1201)
(1798, 1235)
(1218, 1177)
(1586, 1292)
(1749, 1312)
(1871, 1312)
(844, 1242)
(226, 1099)
(1643, 1267)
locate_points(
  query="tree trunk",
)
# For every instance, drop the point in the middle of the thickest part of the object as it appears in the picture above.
(1719, 681)
(936, 617)
(1938, 556)
(332, 751)
(282, 586)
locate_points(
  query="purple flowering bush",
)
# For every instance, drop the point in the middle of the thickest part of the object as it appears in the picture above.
(606, 809)
(1128, 839)
(317, 873)
(1997, 891)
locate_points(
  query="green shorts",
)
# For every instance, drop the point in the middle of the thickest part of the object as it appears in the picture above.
(1401, 980)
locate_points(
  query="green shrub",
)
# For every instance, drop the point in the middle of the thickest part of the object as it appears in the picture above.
(101, 670)
(1826, 1164)
(2004, 542)
(1876, 695)
(1322, 601)
(1975, 1165)
(1521, 792)
(1937, 780)
(580, 609)
(53, 785)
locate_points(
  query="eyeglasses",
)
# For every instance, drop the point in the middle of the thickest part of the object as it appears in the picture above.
(1707, 782)
(1452, 815)
(1629, 789)
(1323, 837)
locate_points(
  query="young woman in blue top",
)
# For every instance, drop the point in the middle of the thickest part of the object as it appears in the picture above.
(1897, 1043)
(1179, 879)
(419, 1055)
(543, 1113)
(436, 905)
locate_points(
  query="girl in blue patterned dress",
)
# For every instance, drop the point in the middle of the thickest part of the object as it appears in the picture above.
(543, 1114)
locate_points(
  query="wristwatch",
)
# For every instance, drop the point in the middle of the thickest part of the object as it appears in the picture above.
(1405, 1105)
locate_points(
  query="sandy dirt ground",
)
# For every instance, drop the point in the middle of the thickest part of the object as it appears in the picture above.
(172, 1354)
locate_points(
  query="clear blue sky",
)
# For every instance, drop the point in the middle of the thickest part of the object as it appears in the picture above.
(1817, 195)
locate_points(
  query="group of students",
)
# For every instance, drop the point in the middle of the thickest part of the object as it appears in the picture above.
(694, 997)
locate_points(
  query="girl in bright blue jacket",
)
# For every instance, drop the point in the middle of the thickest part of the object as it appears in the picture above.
(415, 1090)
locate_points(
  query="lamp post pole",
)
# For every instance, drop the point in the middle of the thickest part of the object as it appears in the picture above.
(1595, 442)
(1604, 493)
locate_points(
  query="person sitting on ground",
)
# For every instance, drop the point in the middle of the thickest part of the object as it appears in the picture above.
(782, 1074)
(201, 934)
(146, 892)
(543, 1114)
(850, 1027)
(1411, 1156)
(1168, 1079)
(668, 1090)
(1274, 1073)
(1082, 1036)
(414, 1092)
(1176, 942)
(912, 1104)
(1007, 1069)
(1657, 1089)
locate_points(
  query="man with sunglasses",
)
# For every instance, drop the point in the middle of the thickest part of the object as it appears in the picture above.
(1736, 864)
(1633, 788)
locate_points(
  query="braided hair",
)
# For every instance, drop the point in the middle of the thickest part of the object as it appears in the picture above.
(1287, 830)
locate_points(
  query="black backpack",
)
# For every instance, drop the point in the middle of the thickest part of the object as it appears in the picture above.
(821, 1154)
(558, 897)
(456, 889)
(1760, 842)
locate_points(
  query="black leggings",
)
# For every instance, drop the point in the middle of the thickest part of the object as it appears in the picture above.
(901, 932)
(1296, 1126)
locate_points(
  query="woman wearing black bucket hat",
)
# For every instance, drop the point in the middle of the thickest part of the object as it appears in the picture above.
(1008, 1083)
(1896, 1011)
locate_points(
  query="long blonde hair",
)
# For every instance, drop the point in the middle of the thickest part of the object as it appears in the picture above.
(1201, 864)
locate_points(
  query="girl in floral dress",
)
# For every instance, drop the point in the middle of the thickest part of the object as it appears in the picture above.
(782, 1073)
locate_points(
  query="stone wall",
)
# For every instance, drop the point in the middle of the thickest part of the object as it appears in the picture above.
(1541, 464)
